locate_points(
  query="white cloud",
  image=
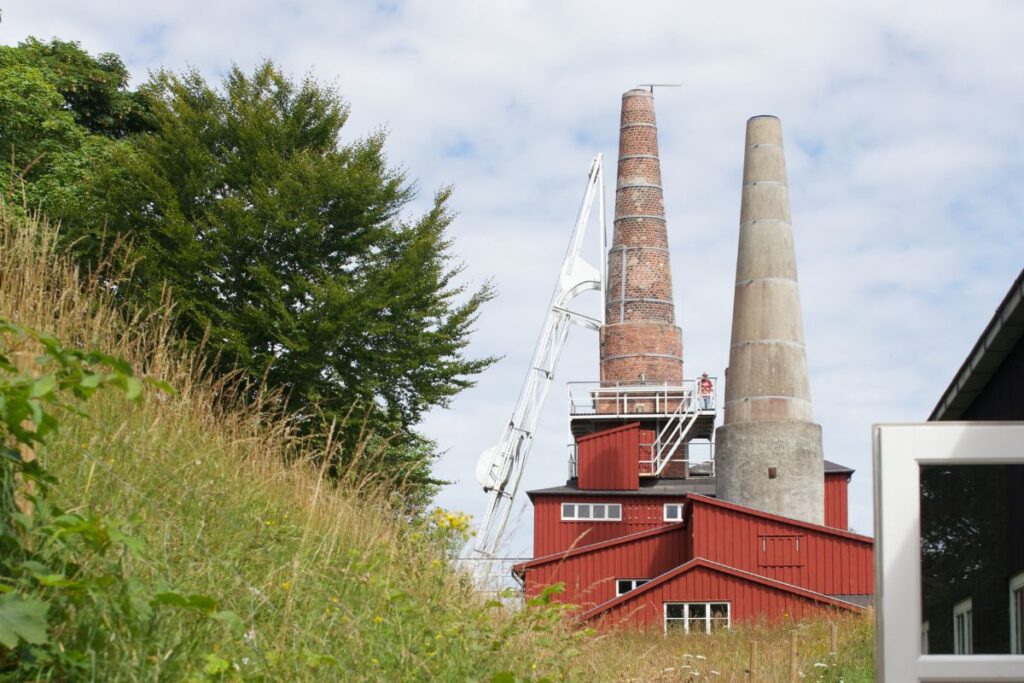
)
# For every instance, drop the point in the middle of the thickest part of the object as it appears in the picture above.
(903, 142)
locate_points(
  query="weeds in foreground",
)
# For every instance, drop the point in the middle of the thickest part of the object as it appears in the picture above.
(222, 552)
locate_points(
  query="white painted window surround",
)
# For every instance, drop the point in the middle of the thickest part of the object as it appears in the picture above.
(623, 586)
(673, 512)
(591, 512)
(1017, 614)
(900, 450)
(963, 627)
(697, 617)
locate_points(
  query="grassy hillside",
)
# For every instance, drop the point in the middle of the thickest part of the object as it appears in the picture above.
(219, 561)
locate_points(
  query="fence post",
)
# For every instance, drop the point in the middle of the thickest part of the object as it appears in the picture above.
(794, 665)
(753, 665)
(834, 638)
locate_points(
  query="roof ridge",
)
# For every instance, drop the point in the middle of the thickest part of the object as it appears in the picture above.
(714, 566)
(697, 497)
(579, 550)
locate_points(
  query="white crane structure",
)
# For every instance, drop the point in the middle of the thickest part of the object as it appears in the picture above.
(500, 468)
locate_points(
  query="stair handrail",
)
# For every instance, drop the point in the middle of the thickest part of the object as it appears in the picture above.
(664, 447)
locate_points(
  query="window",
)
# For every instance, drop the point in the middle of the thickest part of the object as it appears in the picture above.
(696, 617)
(673, 512)
(912, 579)
(963, 628)
(623, 586)
(924, 638)
(599, 512)
(1017, 614)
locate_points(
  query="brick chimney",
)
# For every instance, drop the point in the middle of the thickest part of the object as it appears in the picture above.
(640, 342)
(769, 453)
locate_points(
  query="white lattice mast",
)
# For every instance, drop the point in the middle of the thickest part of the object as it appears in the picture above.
(500, 468)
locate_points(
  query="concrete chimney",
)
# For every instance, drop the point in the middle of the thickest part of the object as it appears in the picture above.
(640, 342)
(768, 452)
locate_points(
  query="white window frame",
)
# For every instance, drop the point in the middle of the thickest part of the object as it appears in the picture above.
(899, 452)
(686, 614)
(963, 639)
(664, 512)
(636, 583)
(1016, 627)
(605, 508)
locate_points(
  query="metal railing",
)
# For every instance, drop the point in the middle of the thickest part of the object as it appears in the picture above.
(680, 406)
(700, 459)
(597, 399)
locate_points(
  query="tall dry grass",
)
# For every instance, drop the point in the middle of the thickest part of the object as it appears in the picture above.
(328, 581)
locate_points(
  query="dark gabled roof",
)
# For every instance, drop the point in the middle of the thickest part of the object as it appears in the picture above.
(518, 569)
(1001, 334)
(704, 486)
(655, 487)
(723, 569)
(779, 518)
(834, 467)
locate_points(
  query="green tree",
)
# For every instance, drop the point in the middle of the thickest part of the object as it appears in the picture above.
(60, 110)
(287, 250)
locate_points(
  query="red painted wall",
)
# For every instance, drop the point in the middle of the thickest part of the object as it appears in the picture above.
(610, 459)
(829, 563)
(836, 500)
(748, 600)
(590, 577)
(552, 535)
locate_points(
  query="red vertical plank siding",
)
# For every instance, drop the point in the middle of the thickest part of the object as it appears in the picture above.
(836, 500)
(606, 461)
(590, 577)
(748, 601)
(552, 535)
(832, 563)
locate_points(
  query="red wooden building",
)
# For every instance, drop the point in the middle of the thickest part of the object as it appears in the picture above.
(652, 529)
(630, 551)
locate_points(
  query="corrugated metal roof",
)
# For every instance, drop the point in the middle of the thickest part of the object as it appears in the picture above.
(1000, 336)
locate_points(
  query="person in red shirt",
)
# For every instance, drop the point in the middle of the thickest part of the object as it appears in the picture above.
(705, 389)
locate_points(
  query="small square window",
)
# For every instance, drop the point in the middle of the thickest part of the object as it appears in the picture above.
(568, 511)
(673, 512)
(614, 511)
(623, 586)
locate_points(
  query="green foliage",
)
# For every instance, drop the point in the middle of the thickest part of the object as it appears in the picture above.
(22, 619)
(285, 246)
(60, 110)
(183, 537)
(57, 566)
(94, 89)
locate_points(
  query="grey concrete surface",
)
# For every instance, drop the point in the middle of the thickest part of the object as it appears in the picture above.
(768, 421)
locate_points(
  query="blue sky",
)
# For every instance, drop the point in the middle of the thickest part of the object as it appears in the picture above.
(904, 145)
